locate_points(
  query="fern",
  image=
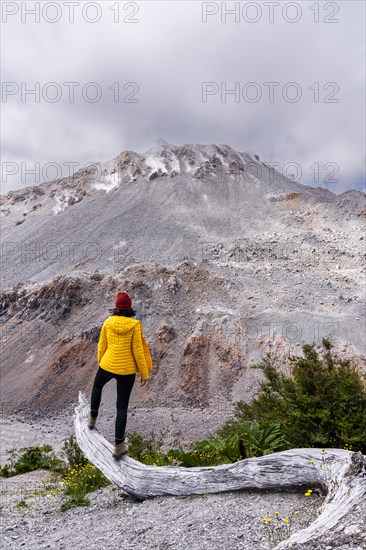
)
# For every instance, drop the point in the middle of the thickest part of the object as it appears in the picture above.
(259, 440)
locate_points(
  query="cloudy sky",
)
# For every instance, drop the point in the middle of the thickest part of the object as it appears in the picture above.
(111, 76)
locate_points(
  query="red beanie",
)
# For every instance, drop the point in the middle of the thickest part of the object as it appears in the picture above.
(123, 301)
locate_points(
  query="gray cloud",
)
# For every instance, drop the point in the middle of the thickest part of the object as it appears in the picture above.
(169, 53)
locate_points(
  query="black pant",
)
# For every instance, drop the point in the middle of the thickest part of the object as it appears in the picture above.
(124, 387)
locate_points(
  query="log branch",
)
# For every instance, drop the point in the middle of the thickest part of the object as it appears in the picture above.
(343, 481)
(346, 490)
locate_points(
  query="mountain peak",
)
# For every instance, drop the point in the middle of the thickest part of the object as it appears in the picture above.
(208, 163)
(195, 160)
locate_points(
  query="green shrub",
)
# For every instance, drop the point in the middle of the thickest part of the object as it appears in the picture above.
(249, 439)
(80, 478)
(321, 404)
(5, 471)
(147, 451)
(21, 505)
(217, 451)
(79, 481)
(88, 478)
(138, 446)
(28, 459)
(189, 459)
(77, 499)
(73, 453)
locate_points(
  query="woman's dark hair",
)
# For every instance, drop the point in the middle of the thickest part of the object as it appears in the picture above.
(123, 312)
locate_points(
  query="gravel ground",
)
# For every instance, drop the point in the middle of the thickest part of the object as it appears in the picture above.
(115, 520)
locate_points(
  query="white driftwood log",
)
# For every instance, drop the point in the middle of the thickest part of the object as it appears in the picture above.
(345, 482)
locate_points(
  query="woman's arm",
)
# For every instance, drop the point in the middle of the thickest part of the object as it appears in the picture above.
(138, 352)
(102, 344)
(147, 353)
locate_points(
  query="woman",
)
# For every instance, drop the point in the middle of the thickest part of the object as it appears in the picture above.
(122, 352)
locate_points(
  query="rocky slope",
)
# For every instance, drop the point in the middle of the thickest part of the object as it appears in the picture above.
(225, 258)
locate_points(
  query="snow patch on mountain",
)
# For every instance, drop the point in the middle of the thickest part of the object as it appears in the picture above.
(188, 167)
(175, 164)
(156, 164)
(107, 183)
(61, 203)
(161, 160)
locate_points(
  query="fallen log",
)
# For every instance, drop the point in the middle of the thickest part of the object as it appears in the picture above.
(343, 481)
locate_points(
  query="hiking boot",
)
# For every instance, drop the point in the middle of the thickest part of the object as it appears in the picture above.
(120, 450)
(91, 422)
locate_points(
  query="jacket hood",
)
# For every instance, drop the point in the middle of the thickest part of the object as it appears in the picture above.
(120, 324)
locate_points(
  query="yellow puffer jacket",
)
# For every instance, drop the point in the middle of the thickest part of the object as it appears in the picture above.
(122, 348)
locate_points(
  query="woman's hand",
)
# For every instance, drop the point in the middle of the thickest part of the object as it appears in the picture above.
(143, 382)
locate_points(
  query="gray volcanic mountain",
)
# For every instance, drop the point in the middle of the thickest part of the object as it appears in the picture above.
(226, 259)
